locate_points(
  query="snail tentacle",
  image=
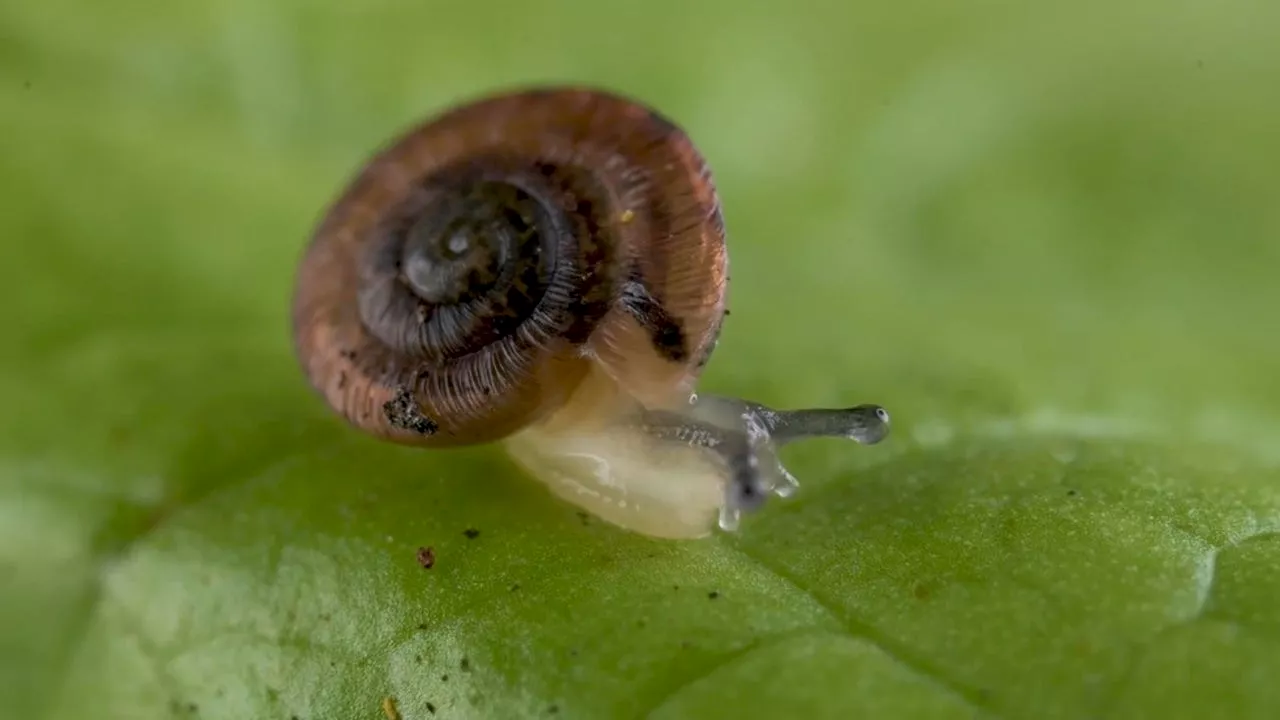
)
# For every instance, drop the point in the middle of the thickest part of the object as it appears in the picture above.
(865, 424)
(744, 435)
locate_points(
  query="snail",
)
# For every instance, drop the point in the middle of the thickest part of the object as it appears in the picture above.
(547, 268)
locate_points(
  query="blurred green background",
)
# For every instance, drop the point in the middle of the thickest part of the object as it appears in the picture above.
(1042, 234)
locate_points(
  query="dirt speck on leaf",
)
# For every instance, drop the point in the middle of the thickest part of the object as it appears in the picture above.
(427, 557)
(471, 533)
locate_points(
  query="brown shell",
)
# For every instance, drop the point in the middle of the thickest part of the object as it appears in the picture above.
(643, 213)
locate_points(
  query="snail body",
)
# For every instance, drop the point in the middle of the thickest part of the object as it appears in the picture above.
(546, 268)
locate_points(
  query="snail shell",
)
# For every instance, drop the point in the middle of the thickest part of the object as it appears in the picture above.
(529, 267)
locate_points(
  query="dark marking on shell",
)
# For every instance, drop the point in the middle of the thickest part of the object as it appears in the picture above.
(665, 333)
(402, 412)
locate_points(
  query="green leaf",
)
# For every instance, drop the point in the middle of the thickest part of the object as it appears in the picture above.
(1044, 238)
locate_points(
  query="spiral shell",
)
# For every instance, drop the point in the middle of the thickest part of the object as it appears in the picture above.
(532, 256)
